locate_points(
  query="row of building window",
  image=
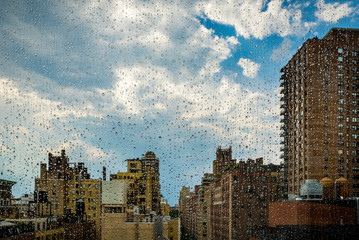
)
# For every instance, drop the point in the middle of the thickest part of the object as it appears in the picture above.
(354, 119)
(354, 152)
(77, 185)
(340, 50)
(340, 58)
(83, 193)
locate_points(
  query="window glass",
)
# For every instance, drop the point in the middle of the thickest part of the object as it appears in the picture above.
(177, 120)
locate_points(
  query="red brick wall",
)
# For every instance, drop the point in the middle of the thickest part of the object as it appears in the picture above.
(309, 213)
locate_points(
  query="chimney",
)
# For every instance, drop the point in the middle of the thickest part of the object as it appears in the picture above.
(43, 171)
(104, 173)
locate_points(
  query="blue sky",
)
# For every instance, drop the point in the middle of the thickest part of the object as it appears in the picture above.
(111, 80)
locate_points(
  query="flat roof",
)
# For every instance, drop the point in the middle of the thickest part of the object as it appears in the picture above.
(340, 29)
(4, 182)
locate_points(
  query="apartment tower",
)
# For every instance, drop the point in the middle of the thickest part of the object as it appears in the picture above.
(320, 113)
(144, 189)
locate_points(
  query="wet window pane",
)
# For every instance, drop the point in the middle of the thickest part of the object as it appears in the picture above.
(179, 119)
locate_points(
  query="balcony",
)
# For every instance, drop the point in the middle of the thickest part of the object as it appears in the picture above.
(283, 134)
(283, 106)
(284, 149)
(283, 112)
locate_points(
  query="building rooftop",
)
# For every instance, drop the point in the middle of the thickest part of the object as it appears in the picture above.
(4, 182)
(329, 34)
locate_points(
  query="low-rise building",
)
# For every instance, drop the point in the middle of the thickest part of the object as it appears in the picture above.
(171, 228)
(6, 192)
(311, 219)
(25, 204)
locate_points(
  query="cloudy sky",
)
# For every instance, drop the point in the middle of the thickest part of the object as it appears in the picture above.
(108, 81)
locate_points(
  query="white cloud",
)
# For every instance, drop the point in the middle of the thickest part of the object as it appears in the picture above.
(250, 68)
(155, 71)
(332, 12)
(282, 52)
(251, 20)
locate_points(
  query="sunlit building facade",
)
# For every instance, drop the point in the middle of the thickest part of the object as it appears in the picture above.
(144, 189)
(63, 186)
(320, 114)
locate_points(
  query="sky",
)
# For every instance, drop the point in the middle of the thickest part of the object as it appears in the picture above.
(109, 80)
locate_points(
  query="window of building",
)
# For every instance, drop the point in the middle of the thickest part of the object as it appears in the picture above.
(340, 83)
(340, 50)
(340, 151)
(340, 59)
(340, 75)
(341, 101)
(340, 92)
(354, 54)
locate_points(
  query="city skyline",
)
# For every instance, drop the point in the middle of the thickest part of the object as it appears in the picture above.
(111, 82)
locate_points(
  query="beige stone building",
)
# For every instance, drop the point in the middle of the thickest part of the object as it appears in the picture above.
(62, 185)
(117, 225)
(183, 203)
(171, 229)
(144, 189)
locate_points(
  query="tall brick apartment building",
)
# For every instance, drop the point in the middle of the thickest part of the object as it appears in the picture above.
(320, 99)
(240, 198)
(233, 201)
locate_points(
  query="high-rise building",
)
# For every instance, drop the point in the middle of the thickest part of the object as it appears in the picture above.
(144, 189)
(320, 99)
(66, 189)
(182, 203)
(240, 199)
(232, 203)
